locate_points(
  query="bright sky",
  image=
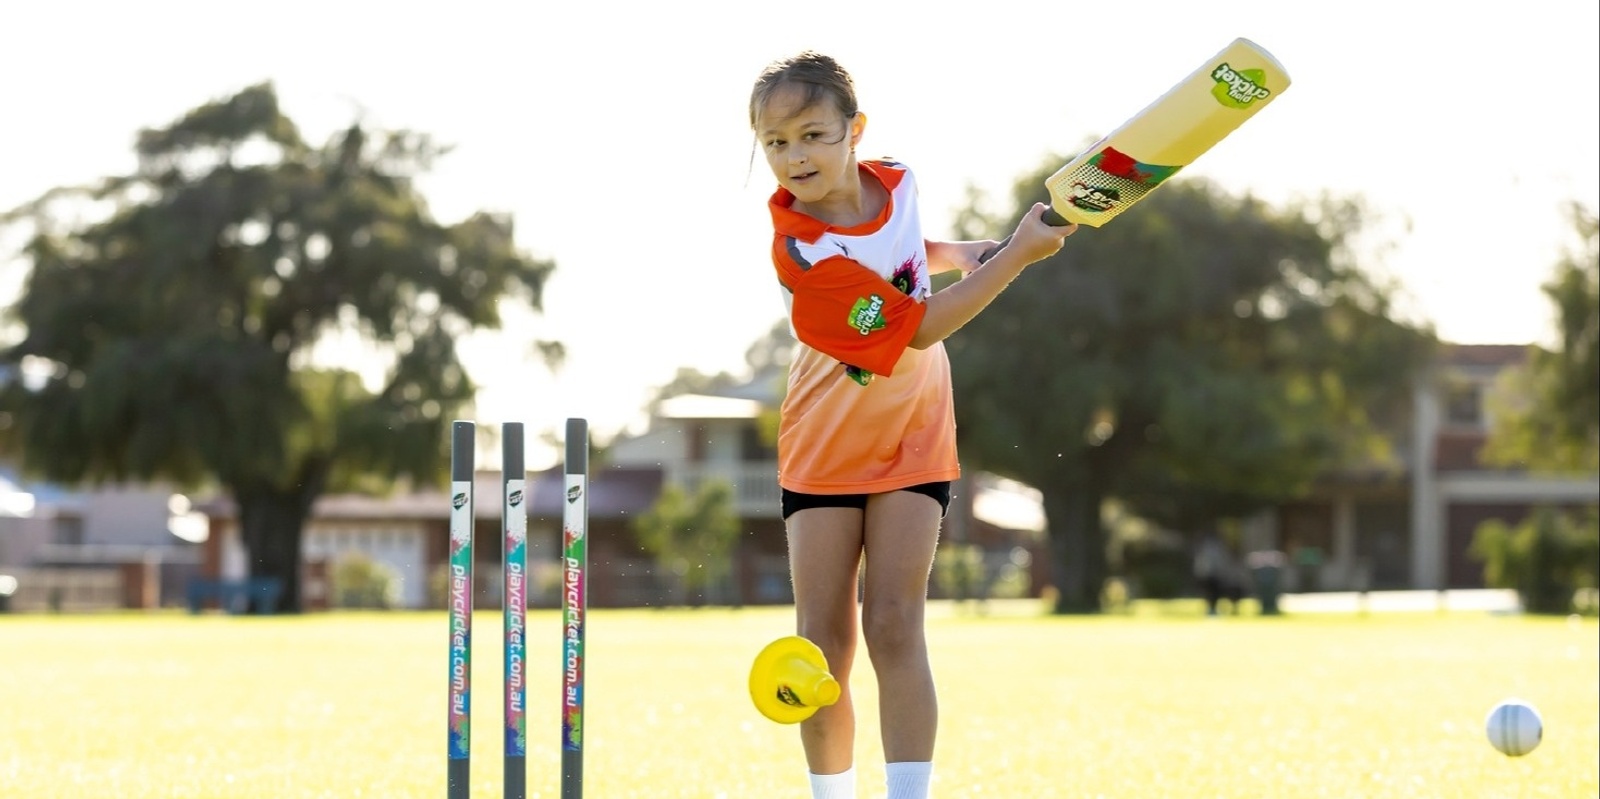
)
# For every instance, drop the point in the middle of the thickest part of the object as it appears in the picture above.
(617, 135)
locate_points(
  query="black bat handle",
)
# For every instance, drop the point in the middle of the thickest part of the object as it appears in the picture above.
(1050, 218)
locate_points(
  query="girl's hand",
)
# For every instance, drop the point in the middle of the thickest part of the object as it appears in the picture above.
(1036, 240)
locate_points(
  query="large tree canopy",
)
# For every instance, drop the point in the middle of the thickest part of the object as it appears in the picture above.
(1552, 422)
(1201, 357)
(172, 335)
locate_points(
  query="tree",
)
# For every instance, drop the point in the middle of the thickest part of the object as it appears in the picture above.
(1547, 558)
(692, 536)
(1547, 415)
(1546, 418)
(361, 582)
(770, 355)
(1203, 356)
(689, 380)
(766, 364)
(767, 358)
(176, 337)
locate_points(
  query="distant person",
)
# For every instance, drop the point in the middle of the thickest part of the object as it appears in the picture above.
(866, 442)
(1234, 584)
(1213, 569)
(1266, 569)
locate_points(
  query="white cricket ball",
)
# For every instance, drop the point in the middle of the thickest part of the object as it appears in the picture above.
(1514, 727)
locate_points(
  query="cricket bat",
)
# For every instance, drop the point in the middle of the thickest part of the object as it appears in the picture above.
(1168, 135)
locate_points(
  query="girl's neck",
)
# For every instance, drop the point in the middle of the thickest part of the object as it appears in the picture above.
(849, 208)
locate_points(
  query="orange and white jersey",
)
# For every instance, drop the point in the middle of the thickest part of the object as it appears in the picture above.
(864, 413)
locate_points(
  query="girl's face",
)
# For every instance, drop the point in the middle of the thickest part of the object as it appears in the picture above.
(809, 148)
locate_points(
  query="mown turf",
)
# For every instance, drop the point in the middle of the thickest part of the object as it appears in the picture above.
(353, 705)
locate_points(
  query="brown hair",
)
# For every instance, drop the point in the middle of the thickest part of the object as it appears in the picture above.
(817, 75)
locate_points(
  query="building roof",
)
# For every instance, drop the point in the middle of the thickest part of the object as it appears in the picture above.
(1484, 354)
(42, 495)
(1008, 504)
(613, 491)
(766, 387)
(705, 406)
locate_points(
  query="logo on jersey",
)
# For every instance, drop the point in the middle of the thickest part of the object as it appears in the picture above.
(867, 314)
(905, 277)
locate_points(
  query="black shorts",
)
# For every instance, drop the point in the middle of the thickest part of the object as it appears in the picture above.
(795, 501)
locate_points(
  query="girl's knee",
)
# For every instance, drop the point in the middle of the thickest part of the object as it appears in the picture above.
(836, 639)
(892, 628)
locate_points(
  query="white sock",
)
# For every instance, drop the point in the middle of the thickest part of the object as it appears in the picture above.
(834, 786)
(909, 780)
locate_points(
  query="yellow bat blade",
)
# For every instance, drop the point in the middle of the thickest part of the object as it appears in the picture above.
(1169, 134)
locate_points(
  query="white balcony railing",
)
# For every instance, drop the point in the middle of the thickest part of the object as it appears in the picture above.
(755, 484)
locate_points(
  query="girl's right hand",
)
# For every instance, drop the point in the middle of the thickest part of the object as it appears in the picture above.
(1034, 239)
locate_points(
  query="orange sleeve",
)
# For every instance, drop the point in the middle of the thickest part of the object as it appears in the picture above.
(849, 312)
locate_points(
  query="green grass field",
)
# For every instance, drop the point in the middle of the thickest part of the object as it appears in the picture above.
(345, 705)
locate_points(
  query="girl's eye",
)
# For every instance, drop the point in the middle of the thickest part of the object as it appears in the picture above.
(775, 144)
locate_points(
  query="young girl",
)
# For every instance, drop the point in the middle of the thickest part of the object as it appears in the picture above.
(866, 445)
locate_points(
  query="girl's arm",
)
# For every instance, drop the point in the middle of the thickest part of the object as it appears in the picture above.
(950, 309)
(945, 256)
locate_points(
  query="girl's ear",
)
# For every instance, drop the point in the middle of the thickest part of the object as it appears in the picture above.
(858, 126)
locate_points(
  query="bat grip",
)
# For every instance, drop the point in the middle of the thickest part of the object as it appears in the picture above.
(1050, 218)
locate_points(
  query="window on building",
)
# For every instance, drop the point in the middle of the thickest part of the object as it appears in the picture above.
(698, 441)
(753, 446)
(1464, 404)
(69, 531)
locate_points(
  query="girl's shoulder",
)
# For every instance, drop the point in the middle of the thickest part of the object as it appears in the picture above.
(887, 162)
(890, 172)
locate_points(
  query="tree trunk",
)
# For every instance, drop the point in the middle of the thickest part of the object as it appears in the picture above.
(1077, 546)
(271, 528)
(271, 525)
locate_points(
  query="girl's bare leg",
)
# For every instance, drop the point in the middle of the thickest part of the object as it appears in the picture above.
(902, 532)
(824, 561)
